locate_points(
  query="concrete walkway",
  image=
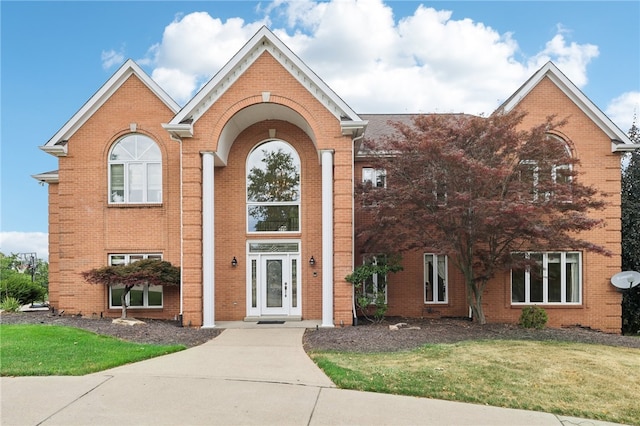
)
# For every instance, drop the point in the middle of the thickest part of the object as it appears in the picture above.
(242, 377)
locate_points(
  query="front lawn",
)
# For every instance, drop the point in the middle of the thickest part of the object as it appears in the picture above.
(573, 379)
(45, 350)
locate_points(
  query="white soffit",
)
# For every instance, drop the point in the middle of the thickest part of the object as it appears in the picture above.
(549, 70)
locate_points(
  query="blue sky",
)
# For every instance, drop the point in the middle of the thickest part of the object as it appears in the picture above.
(394, 56)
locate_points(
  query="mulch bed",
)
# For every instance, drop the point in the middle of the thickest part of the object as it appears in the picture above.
(365, 337)
(417, 332)
(159, 332)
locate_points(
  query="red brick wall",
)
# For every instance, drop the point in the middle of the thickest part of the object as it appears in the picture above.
(84, 228)
(600, 308)
(601, 303)
(265, 75)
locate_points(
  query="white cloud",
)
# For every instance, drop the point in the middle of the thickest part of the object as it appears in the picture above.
(425, 62)
(193, 48)
(571, 58)
(111, 58)
(624, 109)
(25, 242)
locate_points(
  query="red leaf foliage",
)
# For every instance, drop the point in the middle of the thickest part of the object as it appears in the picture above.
(148, 271)
(476, 189)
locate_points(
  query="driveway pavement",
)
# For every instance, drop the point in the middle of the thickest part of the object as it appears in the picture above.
(245, 376)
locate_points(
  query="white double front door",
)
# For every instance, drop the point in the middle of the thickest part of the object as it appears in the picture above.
(273, 286)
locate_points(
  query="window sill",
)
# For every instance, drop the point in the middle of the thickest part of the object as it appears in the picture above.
(134, 206)
(137, 308)
(549, 305)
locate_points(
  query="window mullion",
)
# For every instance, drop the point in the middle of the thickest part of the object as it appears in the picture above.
(527, 282)
(545, 277)
(563, 277)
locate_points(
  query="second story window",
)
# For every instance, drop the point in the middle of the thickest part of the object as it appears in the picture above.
(273, 188)
(548, 178)
(377, 178)
(135, 171)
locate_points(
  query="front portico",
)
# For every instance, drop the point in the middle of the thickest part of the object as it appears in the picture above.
(221, 128)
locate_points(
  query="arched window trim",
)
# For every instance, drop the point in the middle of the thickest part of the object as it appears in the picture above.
(535, 171)
(293, 207)
(135, 179)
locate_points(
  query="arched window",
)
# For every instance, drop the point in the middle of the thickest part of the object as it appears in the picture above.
(273, 188)
(135, 171)
(548, 170)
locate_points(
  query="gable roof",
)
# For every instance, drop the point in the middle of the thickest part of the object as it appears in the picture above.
(619, 140)
(57, 145)
(263, 41)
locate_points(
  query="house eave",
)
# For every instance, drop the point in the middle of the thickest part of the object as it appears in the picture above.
(618, 146)
(353, 128)
(180, 130)
(55, 150)
(48, 177)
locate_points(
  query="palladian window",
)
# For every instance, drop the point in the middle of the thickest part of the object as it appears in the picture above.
(135, 171)
(273, 188)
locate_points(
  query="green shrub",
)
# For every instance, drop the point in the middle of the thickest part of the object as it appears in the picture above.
(21, 288)
(533, 317)
(10, 304)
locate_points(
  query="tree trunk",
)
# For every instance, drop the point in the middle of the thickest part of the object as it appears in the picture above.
(474, 298)
(123, 301)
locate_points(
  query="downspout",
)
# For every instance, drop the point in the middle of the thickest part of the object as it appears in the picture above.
(353, 221)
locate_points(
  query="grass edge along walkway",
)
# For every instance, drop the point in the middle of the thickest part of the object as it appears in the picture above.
(53, 350)
(572, 379)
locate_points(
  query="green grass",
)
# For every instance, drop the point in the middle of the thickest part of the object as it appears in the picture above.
(44, 350)
(581, 380)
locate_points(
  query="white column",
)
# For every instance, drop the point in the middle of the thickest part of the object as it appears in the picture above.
(208, 276)
(327, 238)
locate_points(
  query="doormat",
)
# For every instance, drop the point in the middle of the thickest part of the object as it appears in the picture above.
(270, 322)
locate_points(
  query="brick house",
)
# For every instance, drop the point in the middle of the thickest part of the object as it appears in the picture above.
(249, 188)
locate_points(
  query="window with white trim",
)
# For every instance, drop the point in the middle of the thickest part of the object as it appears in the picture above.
(553, 278)
(435, 278)
(543, 180)
(146, 296)
(374, 287)
(273, 188)
(377, 178)
(135, 171)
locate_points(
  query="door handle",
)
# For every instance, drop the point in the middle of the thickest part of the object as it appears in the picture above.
(285, 289)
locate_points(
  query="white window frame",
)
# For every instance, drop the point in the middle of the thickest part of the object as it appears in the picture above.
(545, 279)
(376, 177)
(434, 280)
(127, 164)
(375, 283)
(296, 203)
(125, 259)
(533, 166)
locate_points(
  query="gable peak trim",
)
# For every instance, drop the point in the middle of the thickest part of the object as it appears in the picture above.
(557, 77)
(55, 146)
(263, 41)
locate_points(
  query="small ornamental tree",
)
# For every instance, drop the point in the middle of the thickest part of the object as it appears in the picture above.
(142, 272)
(478, 190)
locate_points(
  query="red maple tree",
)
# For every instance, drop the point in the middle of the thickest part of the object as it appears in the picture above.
(148, 271)
(477, 189)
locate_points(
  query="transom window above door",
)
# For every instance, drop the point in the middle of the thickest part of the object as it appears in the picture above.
(135, 171)
(273, 188)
